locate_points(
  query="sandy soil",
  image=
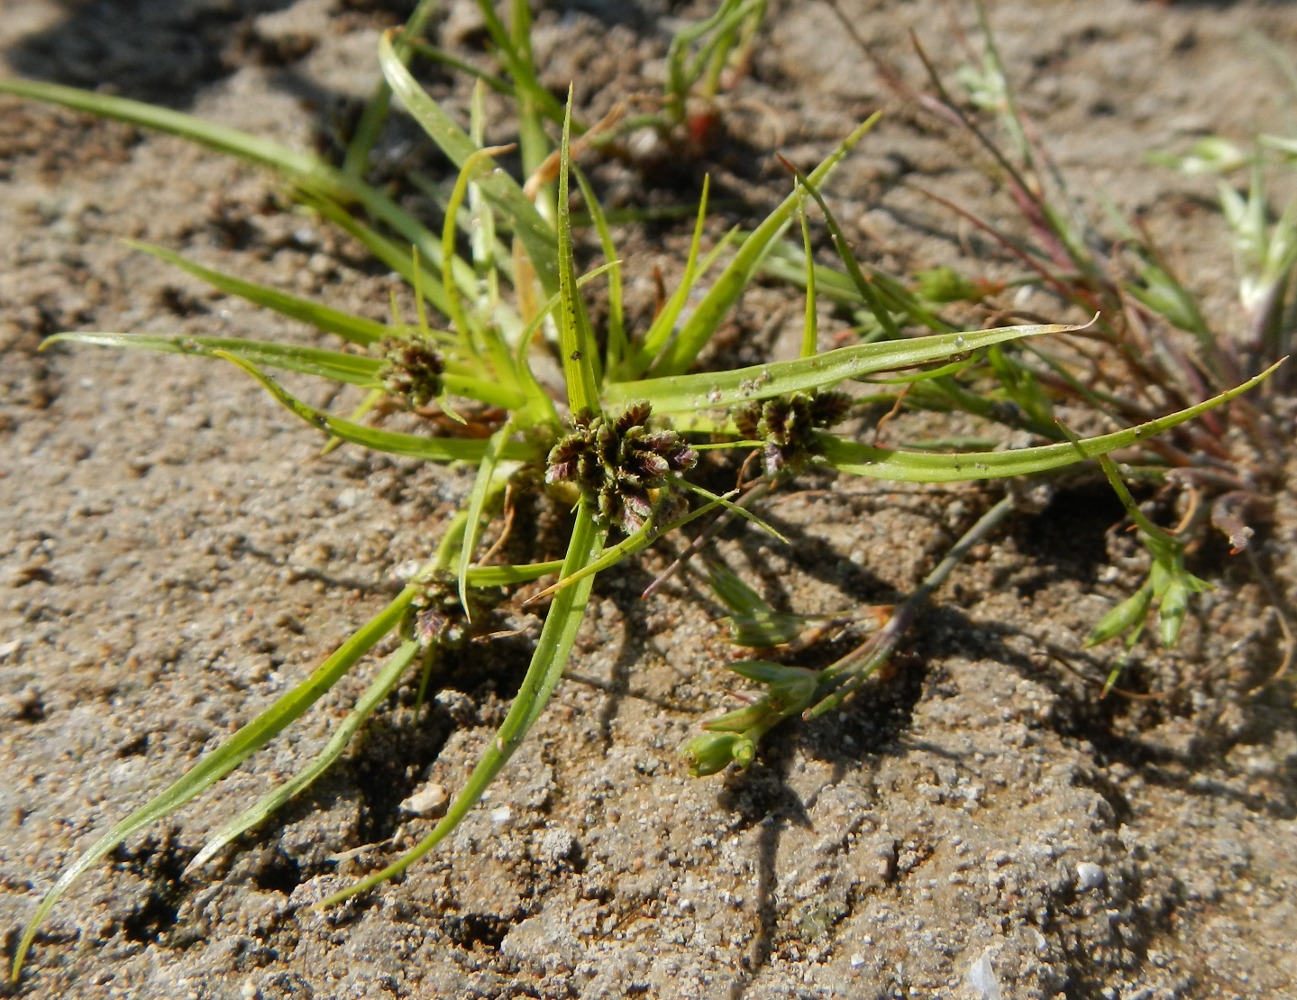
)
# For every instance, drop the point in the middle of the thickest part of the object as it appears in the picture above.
(174, 553)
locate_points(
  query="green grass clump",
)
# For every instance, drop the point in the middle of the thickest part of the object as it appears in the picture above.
(622, 441)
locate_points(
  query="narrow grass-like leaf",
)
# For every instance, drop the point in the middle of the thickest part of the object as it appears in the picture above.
(547, 663)
(309, 172)
(491, 323)
(516, 211)
(433, 449)
(268, 804)
(616, 345)
(503, 576)
(477, 500)
(683, 393)
(575, 336)
(706, 319)
(218, 137)
(664, 323)
(811, 321)
(355, 329)
(922, 467)
(488, 255)
(354, 369)
(868, 293)
(469, 330)
(219, 762)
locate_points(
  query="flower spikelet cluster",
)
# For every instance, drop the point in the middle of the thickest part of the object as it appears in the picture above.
(412, 371)
(436, 616)
(786, 425)
(619, 465)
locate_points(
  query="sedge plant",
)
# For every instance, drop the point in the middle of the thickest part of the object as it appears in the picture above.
(617, 444)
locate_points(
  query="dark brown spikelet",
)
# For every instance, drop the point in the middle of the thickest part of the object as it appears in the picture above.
(635, 415)
(748, 420)
(829, 408)
(564, 460)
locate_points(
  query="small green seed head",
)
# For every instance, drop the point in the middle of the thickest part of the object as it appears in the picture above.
(436, 616)
(711, 753)
(412, 371)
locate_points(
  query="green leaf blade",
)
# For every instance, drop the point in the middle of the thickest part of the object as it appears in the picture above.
(516, 211)
(355, 329)
(353, 369)
(686, 393)
(268, 804)
(722, 296)
(433, 449)
(924, 467)
(576, 338)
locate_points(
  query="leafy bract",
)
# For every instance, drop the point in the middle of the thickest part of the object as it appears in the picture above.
(925, 467)
(709, 390)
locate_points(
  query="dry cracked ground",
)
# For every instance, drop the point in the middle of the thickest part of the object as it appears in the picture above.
(174, 552)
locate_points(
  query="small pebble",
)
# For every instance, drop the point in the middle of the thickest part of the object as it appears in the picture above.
(981, 978)
(430, 800)
(1090, 876)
